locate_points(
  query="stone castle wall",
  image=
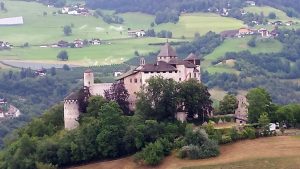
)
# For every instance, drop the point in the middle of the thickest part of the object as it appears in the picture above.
(71, 114)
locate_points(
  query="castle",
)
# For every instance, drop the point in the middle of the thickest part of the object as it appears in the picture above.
(168, 65)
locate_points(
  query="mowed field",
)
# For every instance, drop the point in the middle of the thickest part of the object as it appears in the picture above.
(282, 152)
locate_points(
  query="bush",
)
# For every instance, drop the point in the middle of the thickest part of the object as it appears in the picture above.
(179, 142)
(234, 135)
(191, 152)
(210, 149)
(226, 139)
(197, 137)
(153, 153)
(166, 144)
(249, 132)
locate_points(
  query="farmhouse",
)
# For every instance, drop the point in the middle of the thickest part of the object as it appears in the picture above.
(8, 111)
(5, 45)
(136, 33)
(78, 43)
(245, 31)
(168, 65)
(95, 41)
(12, 21)
(264, 32)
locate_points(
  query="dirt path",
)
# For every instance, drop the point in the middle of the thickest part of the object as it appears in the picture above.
(243, 150)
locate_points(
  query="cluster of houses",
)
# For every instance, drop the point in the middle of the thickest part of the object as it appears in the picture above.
(242, 32)
(77, 43)
(5, 45)
(8, 111)
(75, 10)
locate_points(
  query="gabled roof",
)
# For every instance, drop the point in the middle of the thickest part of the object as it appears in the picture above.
(176, 61)
(161, 66)
(72, 96)
(130, 72)
(88, 71)
(167, 50)
(192, 56)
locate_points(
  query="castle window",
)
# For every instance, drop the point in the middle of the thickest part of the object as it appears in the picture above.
(141, 80)
(195, 75)
(170, 71)
(130, 80)
(179, 79)
(176, 71)
(164, 72)
(190, 75)
(135, 80)
(146, 72)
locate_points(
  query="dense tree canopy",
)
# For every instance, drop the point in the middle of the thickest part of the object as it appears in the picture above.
(259, 102)
(229, 104)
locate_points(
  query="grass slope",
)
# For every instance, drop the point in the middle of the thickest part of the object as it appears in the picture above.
(189, 24)
(281, 16)
(238, 45)
(266, 10)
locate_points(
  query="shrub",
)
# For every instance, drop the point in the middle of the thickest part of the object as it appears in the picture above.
(153, 153)
(210, 149)
(179, 142)
(166, 144)
(226, 139)
(234, 135)
(249, 132)
(191, 152)
(197, 137)
(217, 136)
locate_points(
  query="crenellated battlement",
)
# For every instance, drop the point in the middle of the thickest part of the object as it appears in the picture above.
(70, 101)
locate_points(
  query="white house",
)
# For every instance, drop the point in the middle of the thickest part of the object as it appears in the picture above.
(137, 33)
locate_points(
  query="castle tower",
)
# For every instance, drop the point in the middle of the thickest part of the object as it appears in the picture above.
(88, 78)
(166, 53)
(71, 111)
(192, 58)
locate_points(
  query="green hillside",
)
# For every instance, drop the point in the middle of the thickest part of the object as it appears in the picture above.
(238, 45)
(38, 30)
(266, 10)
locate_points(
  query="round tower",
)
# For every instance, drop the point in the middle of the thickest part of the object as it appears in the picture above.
(71, 111)
(88, 78)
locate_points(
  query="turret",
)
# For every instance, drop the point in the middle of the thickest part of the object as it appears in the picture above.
(88, 78)
(192, 58)
(166, 53)
(71, 111)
